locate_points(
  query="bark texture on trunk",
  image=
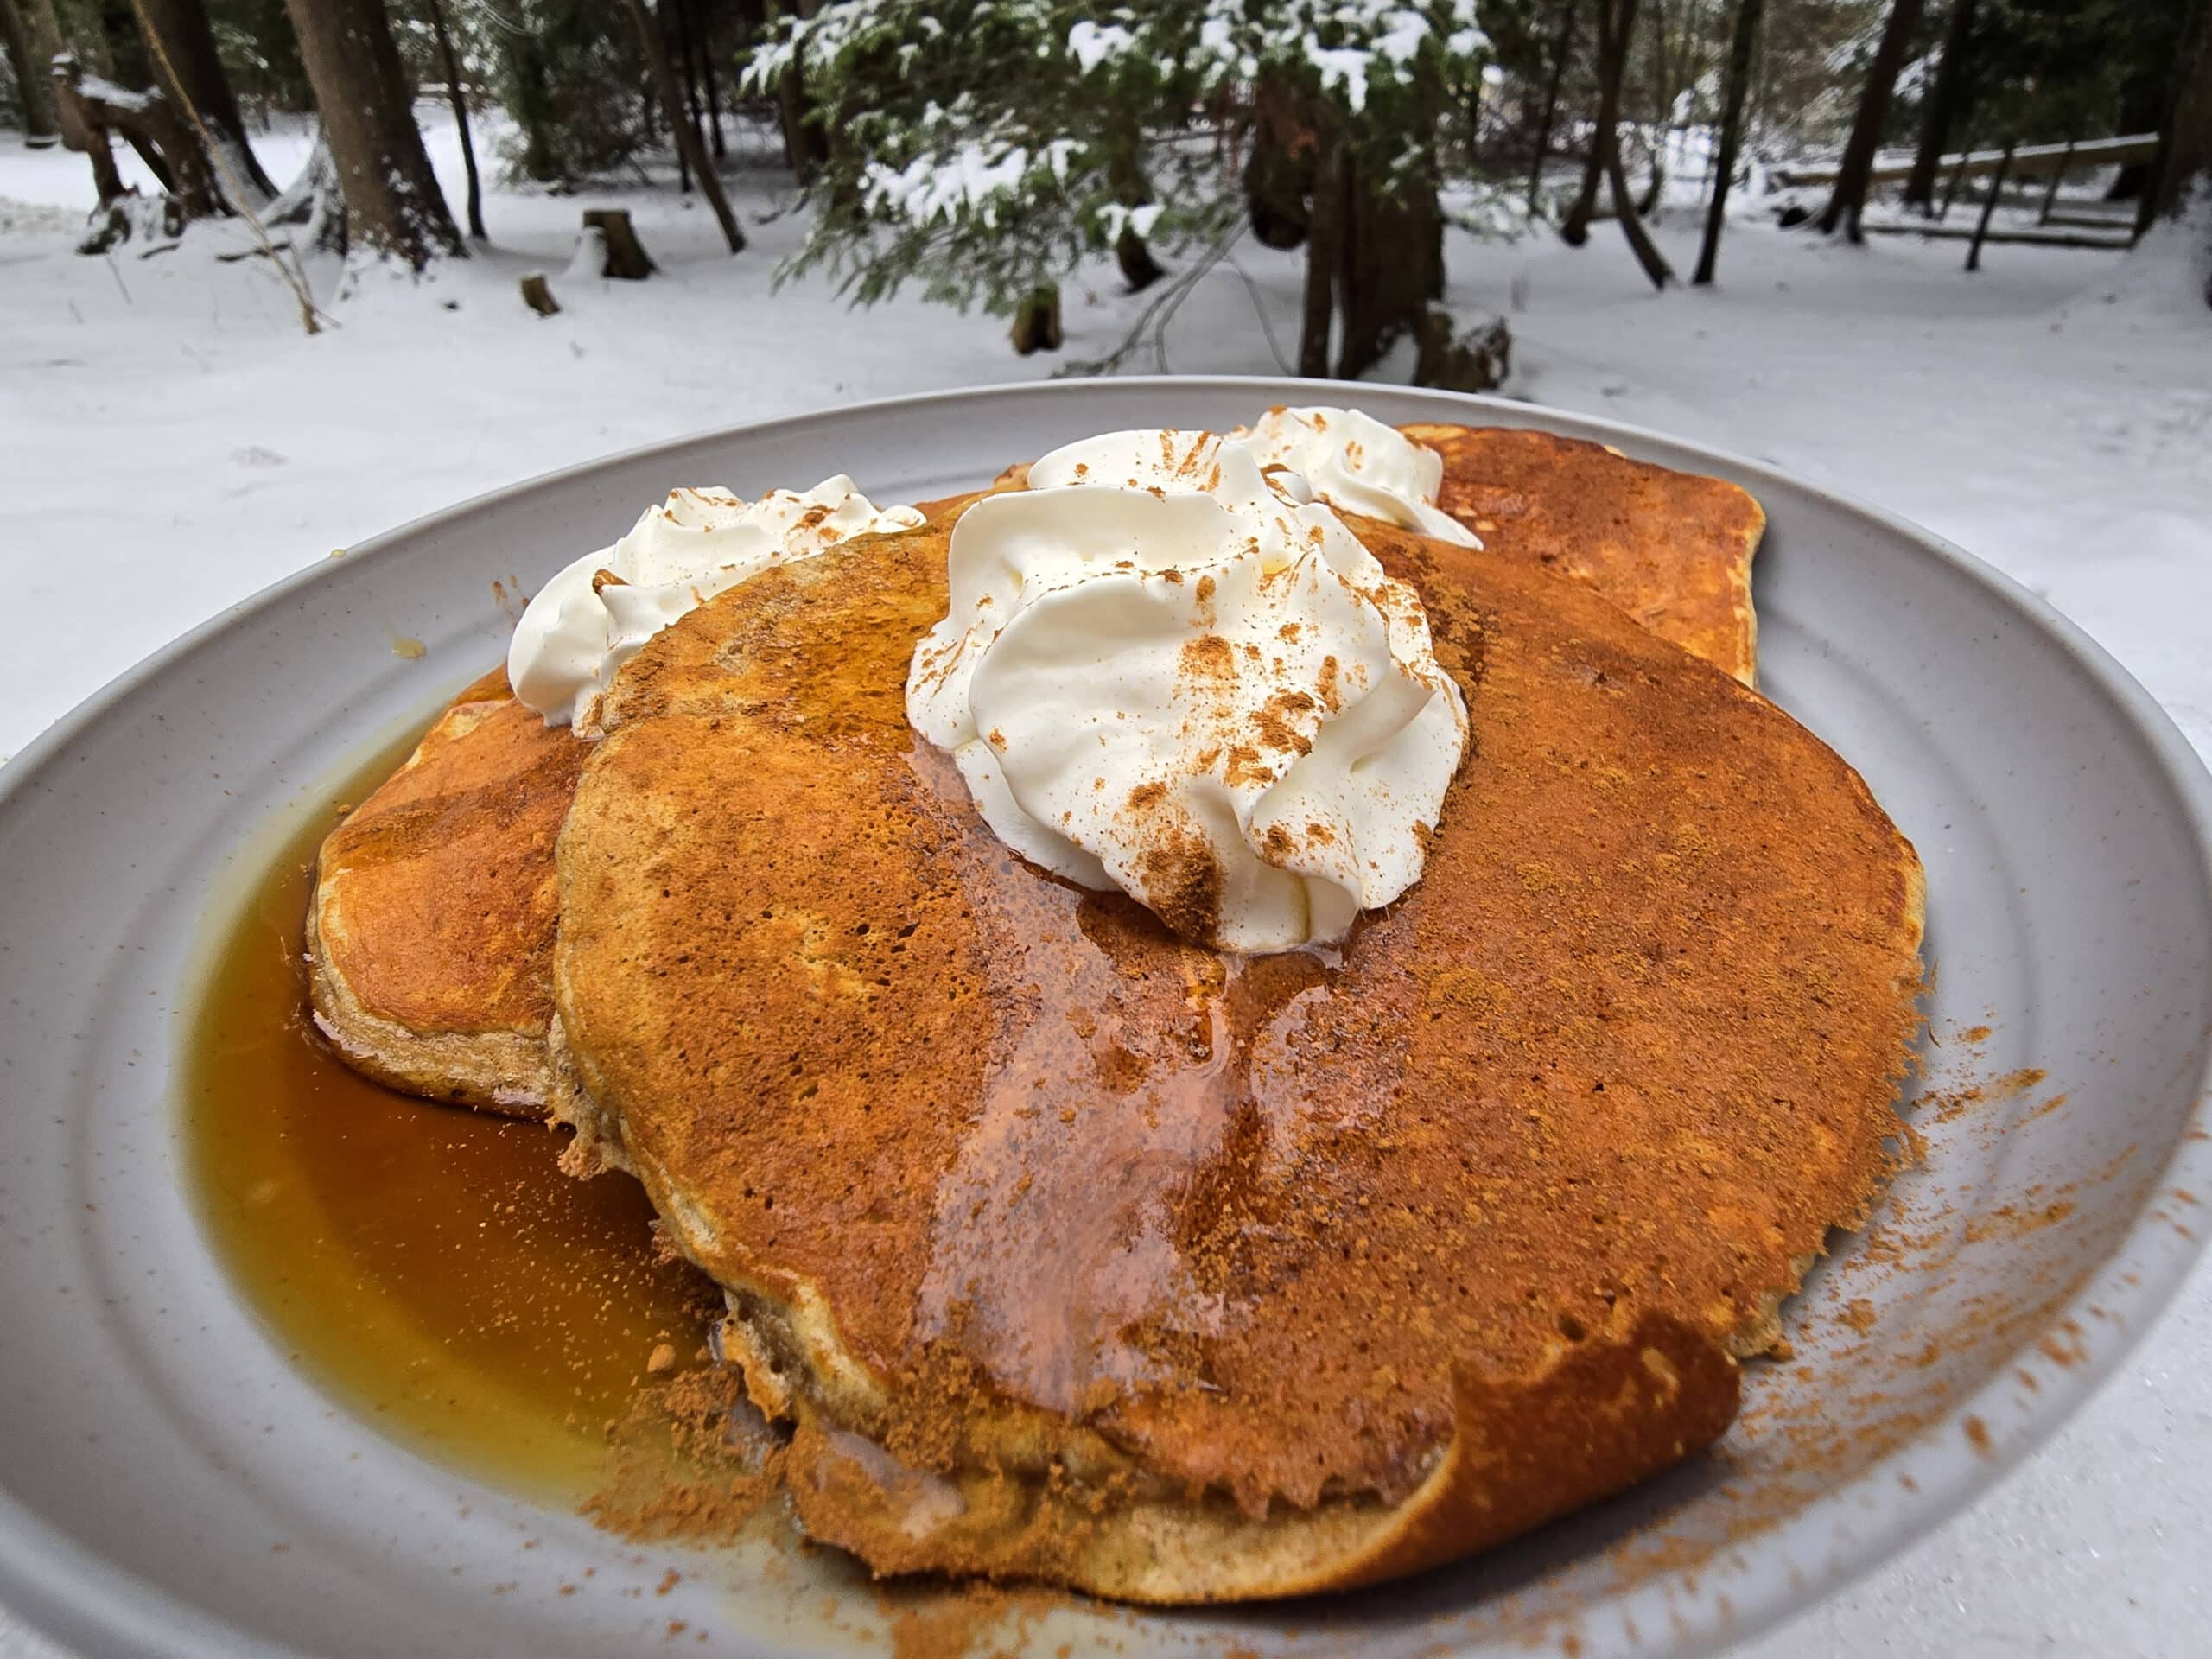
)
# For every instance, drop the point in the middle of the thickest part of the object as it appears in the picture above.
(459, 100)
(190, 70)
(1740, 43)
(1647, 203)
(90, 109)
(1324, 248)
(1390, 266)
(1943, 100)
(2186, 136)
(1279, 172)
(623, 257)
(1639, 239)
(1848, 201)
(686, 135)
(34, 82)
(392, 199)
(2185, 178)
(804, 148)
(1561, 50)
(2142, 108)
(1037, 324)
(1616, 21)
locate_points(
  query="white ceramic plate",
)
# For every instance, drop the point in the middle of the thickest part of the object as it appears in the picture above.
(156, 1447)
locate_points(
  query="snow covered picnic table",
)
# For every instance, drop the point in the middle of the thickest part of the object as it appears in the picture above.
(169, 442)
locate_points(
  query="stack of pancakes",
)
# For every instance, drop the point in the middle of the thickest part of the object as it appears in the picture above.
(1073, 1251)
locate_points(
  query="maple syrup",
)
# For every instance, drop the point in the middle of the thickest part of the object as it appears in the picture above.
(426, 1265)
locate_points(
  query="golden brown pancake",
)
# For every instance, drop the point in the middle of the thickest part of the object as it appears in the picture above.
(1673, 549)
(429, 933)
(1076, 1252)
(412, 1010)
(431, 930)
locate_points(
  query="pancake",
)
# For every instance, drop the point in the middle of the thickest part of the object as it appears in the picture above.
(429, 933)
(1673, 549)
(1074, 1252)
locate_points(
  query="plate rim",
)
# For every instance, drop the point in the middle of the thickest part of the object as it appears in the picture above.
(76, 1595)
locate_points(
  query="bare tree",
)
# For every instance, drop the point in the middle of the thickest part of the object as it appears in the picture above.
(1740, 44)
(33, 81)
(1853, 172)
(190, 70)
(670, 93)
(1615, 19)
(458, 97)
(1944, 98)
(392, 199)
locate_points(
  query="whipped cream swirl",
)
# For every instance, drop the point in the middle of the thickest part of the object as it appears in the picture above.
(1352, 460)
(1166, 671)
(592, 616)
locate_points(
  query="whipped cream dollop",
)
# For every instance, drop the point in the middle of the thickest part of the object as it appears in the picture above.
(1165, 671)
(1352, 460)
(592, 616)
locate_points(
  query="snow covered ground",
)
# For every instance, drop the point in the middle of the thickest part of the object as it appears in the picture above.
(173, 407)
(170, 442)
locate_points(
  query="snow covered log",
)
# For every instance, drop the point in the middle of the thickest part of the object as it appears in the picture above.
(91, 110)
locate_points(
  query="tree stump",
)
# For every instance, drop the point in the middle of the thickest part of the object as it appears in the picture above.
(624, 257)
(538, 295)
(1037, 325)
(1477, 360)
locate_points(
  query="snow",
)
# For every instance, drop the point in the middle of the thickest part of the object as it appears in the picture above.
(2016, 412)
(170, 442)
(1092, 44)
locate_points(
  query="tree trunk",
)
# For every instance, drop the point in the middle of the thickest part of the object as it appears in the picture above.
(1279, 173)
(1944, 98)
(1390, 266)
(1848, 201)
(1125, 174)
(2142, 108)
(90, 109)
(1324, 250)
(676, 19)
(687, 135)
(1037, 325)
(1731, 132)
(2185, 134)
(709, 95)
(1639, 239)
(532, 110)
(2183, 188)
(78, 131)
(804, 145)
(623, 257)
(1616, 20)
(191, 71)
(1647, 203)
(1560, 52)
(392, 199)
(1989, 203)
(674, 111)
(459, 100)
(33, 78)
(127, 64)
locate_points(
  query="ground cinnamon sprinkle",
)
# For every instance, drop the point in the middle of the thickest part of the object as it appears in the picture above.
(691, 1461)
